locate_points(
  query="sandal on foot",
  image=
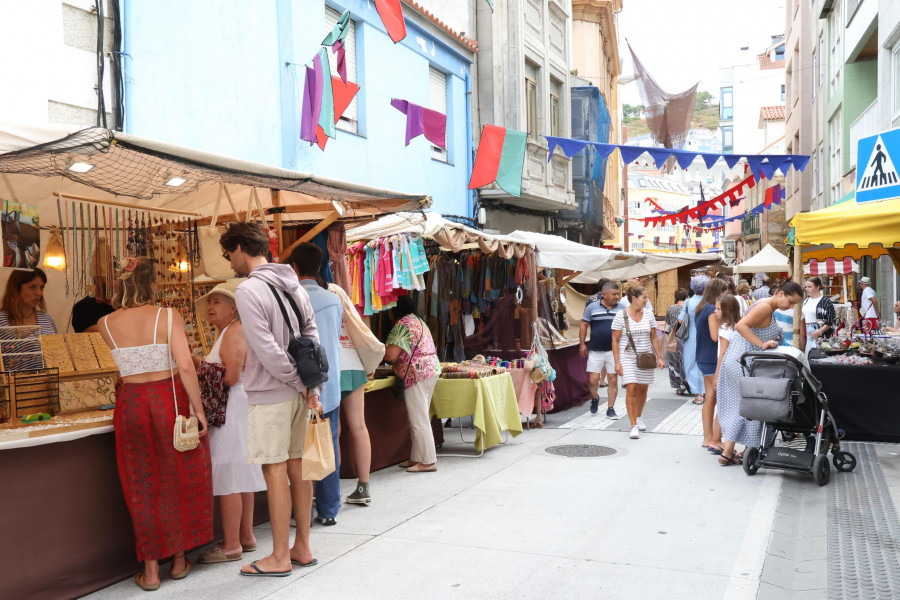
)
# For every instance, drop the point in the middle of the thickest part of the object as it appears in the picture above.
(218, 556)
(729, 460)
(185, 572)
(147, 587)
(311, 563)
(407, 464)
(420, 469)
(248, 548)
(257, 572)
(695, 403)
(717, 451)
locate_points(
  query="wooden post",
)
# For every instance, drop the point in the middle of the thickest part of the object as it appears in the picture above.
(323, 224)
(276, 218)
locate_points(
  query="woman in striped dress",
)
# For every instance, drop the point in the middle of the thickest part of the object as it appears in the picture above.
(642, 329)
(757, 330)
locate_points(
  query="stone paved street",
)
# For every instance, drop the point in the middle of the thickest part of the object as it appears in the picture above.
(657, 519)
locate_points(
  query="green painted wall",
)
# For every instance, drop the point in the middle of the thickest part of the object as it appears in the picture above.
(860, 90)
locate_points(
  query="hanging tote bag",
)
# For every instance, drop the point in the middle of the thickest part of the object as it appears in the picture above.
(318, 450)
(214, 264)
(682, 330)
(186, 433)
(645, 360)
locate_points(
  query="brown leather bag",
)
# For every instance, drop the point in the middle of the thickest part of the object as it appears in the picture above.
(645, 360)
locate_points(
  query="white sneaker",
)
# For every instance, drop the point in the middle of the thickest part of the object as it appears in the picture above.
(641, 425)
(635, 433)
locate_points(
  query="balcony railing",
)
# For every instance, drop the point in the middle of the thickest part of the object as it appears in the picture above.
(866, 124)
(750, 225)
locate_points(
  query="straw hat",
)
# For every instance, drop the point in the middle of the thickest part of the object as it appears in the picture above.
(226, 288)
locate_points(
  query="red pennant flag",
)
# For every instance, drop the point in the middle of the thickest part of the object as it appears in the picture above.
(343, 95)
(490, 148)
(391, 13)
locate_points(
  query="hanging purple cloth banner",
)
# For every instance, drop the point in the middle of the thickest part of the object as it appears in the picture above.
(312, 102)
(421, 120)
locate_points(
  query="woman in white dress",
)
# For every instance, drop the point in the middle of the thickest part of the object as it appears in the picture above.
(234, 481)
(642, 327)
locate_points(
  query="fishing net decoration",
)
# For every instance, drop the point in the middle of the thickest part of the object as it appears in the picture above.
(668, 115)
(123, 169)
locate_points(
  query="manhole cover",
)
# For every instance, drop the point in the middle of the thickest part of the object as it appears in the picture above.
(581, 450)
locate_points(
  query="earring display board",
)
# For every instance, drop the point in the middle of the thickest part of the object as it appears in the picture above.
(87, 371)
(28, 392)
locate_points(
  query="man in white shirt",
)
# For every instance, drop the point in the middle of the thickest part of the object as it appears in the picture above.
(868, 305)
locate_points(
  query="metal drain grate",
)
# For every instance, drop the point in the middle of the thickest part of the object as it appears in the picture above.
(863, 531)
(581, 450)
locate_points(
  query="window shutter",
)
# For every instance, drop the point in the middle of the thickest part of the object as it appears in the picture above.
(437, 88)
(331, 19)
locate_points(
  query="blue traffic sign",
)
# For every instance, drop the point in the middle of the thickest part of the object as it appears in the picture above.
(876, 171)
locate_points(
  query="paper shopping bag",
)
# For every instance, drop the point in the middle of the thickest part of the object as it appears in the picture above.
(318, 450)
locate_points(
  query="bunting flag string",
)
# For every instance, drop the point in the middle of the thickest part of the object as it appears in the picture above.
(759, 164)
(335, 39)
(421, 120)
(700, 211)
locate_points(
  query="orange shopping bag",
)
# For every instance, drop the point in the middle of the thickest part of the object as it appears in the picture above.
(318, 449)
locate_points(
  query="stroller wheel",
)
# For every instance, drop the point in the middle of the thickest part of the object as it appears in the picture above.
(751, 458)
(821, 469)
(843, 461)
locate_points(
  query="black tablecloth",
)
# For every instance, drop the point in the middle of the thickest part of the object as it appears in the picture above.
(864, 400)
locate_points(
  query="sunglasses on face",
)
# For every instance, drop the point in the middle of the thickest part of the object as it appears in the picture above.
(226, 256)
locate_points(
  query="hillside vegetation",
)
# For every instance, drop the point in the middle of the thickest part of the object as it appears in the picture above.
(707, 117)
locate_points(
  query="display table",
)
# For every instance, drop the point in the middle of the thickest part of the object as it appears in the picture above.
(388, 426)
(491, 401)
(525, 390)
(863, 399)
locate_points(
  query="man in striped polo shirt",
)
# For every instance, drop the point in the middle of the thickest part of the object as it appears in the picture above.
(598, 317)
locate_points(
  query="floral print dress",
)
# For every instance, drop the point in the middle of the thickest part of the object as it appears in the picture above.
(418, 357)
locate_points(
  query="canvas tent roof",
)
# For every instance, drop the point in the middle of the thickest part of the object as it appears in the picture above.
(767, 260)
(428, 225)
(555, 252)
(135, 170)
(655, 263)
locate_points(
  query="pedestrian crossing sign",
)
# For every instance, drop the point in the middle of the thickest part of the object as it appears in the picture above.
(877, 178)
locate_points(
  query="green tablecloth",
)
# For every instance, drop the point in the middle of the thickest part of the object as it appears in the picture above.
(491, 400)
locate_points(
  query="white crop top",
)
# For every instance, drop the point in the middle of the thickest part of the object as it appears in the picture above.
(137, 360)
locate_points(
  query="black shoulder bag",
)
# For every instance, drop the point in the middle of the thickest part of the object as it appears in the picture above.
(309, 356)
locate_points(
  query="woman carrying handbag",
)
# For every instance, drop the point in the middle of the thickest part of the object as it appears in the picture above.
(633, 338)
(162, 453)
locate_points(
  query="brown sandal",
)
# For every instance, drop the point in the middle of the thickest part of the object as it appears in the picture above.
(407, 464)
(184, 573)
(147, 587)
(420, 469)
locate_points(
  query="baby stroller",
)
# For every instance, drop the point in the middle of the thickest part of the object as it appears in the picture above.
(779, 391)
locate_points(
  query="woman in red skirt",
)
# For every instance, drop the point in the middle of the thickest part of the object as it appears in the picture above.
(168, 493)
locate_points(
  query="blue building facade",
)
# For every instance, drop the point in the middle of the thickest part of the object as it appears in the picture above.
(226, 76)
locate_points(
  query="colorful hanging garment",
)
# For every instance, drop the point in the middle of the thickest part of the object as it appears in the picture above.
(391, 13)
(335, 39)
(318, 100)
(421, 120)
(343, 93)
(500, 158)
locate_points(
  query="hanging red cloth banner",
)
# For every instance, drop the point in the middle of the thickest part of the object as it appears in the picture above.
(703, 208)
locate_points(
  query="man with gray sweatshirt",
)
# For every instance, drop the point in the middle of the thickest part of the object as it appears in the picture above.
(279, 402)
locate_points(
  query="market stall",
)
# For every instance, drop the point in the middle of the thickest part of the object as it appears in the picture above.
(110, 195)
(861, 390)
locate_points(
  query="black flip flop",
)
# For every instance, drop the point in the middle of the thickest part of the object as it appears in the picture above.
(311, 563)
(260, 573)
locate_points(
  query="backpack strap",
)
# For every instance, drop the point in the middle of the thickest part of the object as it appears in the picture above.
(283, 310)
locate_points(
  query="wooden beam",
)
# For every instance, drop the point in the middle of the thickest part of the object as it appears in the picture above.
(323, 224)
(569, 278)
(171, 211)
(276, 218)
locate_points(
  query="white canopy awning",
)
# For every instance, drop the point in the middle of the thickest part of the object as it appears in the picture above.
(555, 252)
(767, 260)
(655, 263)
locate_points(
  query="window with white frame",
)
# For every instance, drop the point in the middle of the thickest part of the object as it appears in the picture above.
(821, 186)
(437, 100)
(555, 107)
(820, 66)
(349, 121)
(836, 55)
(532, 108)
(814, 159)
(895, 81)
(726, 103)
(835, 139)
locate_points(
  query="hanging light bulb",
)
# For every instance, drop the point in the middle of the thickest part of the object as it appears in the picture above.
(180, 263)
(55, 254)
